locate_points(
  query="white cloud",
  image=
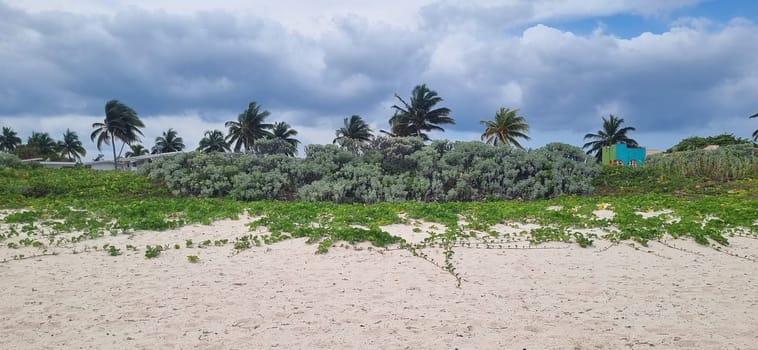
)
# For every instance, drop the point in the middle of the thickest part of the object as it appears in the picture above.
(318, 62)
(316, 17)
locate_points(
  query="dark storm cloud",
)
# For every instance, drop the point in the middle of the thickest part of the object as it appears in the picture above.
(478, 57)
(164, 64)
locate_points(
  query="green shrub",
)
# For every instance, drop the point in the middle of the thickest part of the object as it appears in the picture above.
(8, 160)
(726, 163)
(695, 143)
(385, 169)
(39, 189)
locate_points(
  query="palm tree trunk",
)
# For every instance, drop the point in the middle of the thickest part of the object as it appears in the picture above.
(113, 143)
(122, 149)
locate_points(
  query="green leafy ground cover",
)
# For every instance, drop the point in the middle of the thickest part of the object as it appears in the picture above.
(45, 208)
(97, 203)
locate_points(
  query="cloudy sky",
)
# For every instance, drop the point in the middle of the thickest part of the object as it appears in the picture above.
(671, 69)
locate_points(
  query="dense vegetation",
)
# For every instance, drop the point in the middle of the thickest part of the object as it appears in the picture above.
(345, 192)
(116, 200)
(693, 172)
(383, 169)
(697, 143)
(59, 208)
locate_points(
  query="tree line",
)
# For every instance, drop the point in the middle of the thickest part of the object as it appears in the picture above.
(251, 133)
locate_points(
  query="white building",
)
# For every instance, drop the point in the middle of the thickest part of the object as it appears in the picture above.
(131, 163)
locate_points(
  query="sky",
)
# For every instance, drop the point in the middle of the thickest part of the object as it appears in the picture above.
(671, 69)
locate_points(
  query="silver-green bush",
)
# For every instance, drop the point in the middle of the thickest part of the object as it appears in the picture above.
(385, 169)
(8, 160)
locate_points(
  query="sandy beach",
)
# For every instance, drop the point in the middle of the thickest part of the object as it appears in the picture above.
(674, 296)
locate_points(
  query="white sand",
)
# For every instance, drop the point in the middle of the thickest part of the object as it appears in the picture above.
(284, 296)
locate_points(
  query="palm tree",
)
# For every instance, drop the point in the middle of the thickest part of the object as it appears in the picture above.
(169, 142)
(42, 142)
(755, 133)
(213, 141)
(248, 127)
(9, 140)
(283, 131)
(71, 147)
(418, 117)
(399, 126)
(121, 122)
(506, 127)
(611, 134)
(354, 129)
(137, 150)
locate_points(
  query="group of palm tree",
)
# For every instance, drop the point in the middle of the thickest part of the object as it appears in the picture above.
(42, 145)
(414, 118)
(249, 127)
(122, 123)
(419, 117)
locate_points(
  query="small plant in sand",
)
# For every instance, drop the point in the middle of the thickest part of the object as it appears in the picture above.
(113, 251)
(31, 242)
(583, 240)
(153, 251)
(243, 243)
(188, 243)
(323, 246)
(447, 244)
(177, 246)
(193, 258)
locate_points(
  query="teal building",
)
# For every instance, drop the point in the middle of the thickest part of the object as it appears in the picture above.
(621, 154)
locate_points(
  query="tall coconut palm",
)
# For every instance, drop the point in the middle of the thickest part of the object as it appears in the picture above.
(213, 141)
(248, 127)
(611, 134)
(43, 143)
(755, 133)
(506, 127)
(136, 151)
(284, 132)
(419, 116)
(354, 129)
(399, 126)
(71, 147)
(9, 140)
(121, 122)
(168, 142)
